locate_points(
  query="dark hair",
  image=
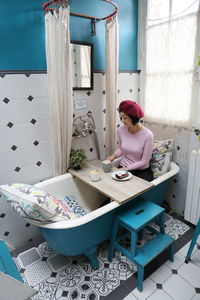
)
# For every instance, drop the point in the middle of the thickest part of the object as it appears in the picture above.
(133, 119)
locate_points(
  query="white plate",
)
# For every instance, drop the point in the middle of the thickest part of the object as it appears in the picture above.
(121, 172)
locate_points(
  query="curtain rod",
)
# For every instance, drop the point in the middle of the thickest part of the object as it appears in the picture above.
(60, 2)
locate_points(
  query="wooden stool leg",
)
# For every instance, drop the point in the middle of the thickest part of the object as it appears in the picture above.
(193, 242)
(133, 243)
(140, 277)
(113, 237)
(162, 223)
(171, 253)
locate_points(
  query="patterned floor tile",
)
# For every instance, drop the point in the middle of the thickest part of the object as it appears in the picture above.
(58, 277)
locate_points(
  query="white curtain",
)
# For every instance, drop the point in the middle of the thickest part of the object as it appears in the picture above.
(112, 54)
(169, 59)
(59, 73)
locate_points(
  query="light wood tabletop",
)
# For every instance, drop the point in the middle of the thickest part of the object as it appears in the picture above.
(119, 191)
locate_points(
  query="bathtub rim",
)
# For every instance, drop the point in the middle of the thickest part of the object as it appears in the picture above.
(66, 224)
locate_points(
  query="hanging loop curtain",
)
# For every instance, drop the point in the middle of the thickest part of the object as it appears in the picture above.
(169, 69)
(112, 57)
(58, 54)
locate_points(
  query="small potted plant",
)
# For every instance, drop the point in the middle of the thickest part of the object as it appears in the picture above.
(77, 158)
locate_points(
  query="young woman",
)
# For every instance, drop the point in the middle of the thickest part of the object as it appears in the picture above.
(135, 142)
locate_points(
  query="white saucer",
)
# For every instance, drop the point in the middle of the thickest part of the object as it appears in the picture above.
(121, 172)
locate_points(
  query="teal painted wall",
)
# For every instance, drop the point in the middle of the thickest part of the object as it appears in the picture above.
(23, 41)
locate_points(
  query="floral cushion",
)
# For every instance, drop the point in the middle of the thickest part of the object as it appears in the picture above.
(34, 204)
(73, 206)
(161, 157)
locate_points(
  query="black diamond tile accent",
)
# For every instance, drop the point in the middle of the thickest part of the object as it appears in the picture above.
(6, 233)
(106, 265)
(104, 128)
(159, 286)
(10, 124)
(6, 100)
(2, 215)
(27, 225)
(88, 93)
(89, 112)
(30, 240)
(138, 90)
(22, 271)
(33, 121)
(198, 247)
(173, 196)
(36, 143)
(175, 180)
(118, 91)
(27, 74)
(74, 262)
(104, 146)
(104, 111)
(38, 163)
(174, 271)
(14, 147)
(2, 75)
(91, 149)
(178, 148)
(104, 92)
(17, 169)
(87, 278)
(30, 98)
(73, 115)
(64, 294)
(197, 290)
(44, 258)
(130, 90)
(118, 125)
(53, 274)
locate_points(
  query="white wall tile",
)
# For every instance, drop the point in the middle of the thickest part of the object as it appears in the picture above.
(20, 111)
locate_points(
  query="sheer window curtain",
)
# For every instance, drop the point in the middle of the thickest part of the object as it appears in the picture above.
(167, 52)
(112, 57)
(59, 73)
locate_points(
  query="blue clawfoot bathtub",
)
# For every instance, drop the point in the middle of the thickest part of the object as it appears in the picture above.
(82, 235)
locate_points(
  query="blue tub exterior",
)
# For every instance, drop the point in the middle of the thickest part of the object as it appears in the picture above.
(85, 239)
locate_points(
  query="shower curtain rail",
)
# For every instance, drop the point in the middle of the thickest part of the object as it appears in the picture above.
(47, 8)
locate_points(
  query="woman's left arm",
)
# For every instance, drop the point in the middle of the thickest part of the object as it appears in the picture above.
(146, 156)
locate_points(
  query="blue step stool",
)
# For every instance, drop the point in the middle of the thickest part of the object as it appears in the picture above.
(7, 264)
(193, 242)
(131, 222)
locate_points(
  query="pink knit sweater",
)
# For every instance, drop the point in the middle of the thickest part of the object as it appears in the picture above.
(135, 149)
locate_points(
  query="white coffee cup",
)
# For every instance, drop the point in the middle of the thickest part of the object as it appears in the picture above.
(95, 175)
(107, 165)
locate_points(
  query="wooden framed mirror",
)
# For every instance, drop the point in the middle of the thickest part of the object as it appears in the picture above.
(82, 65)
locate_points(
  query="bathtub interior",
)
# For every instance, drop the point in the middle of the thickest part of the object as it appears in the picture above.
(95, 203)
(64, 185)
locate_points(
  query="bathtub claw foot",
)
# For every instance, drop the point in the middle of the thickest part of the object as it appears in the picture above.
(91, 255)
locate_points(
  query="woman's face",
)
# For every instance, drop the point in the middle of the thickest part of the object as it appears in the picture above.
(126, 120)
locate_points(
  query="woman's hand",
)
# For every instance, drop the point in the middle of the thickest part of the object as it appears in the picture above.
(111, 158)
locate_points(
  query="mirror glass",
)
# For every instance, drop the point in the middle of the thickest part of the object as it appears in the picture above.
(82, 56)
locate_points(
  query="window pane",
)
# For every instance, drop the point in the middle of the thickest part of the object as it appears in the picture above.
(157, 9)
(171, 46)
(168, 97)
(179, 7)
